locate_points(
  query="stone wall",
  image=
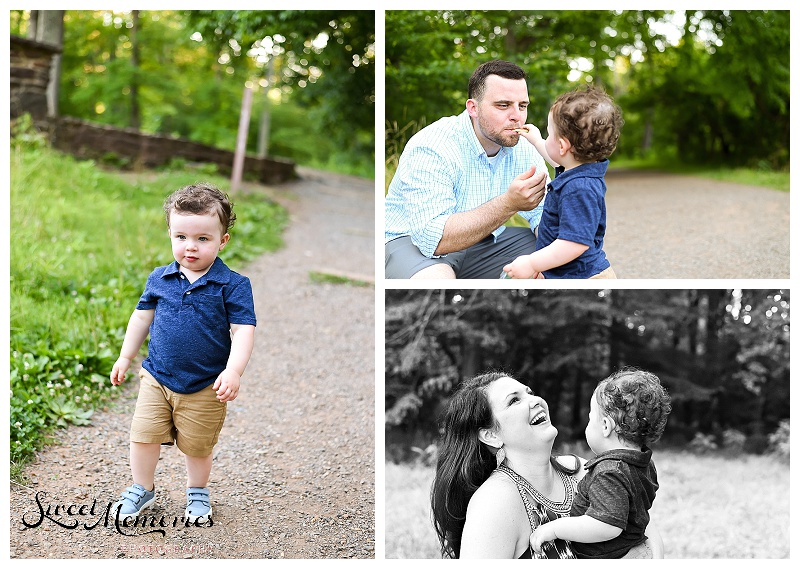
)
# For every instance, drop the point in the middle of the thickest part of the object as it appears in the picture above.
(30, 75)
(101, 142)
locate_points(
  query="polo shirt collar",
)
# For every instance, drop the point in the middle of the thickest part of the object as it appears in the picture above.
(640, 458)
(218, 272)
(588, 170)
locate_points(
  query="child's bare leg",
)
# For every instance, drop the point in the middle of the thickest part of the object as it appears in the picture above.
(144, 458)
(198, 470)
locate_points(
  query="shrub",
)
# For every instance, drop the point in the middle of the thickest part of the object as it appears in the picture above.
(779, 441)
(702, 443)
(733, 439)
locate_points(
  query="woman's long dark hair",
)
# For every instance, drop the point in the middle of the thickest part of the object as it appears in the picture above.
(464, 463)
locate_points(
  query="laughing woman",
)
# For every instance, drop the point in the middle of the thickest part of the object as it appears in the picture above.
(496, 478)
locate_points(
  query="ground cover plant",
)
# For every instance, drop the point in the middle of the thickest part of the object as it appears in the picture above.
(83, 241)
(704, 507)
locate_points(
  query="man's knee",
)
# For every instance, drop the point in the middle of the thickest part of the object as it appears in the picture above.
(437, 271)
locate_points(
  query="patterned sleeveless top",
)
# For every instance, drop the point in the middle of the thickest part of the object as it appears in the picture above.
(541, 509)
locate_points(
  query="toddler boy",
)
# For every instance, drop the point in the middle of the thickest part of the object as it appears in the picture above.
(201, 321)
(610, 511)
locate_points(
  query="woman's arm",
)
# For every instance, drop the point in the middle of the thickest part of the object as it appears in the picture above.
(655, 541)
(496, 526)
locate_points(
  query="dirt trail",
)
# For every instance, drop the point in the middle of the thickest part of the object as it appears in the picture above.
(663, 226)
(294, 471)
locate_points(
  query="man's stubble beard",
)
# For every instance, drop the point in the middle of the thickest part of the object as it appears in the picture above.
(506, 140)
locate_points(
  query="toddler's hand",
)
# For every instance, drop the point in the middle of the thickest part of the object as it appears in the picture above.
(540, 536)
(227, 385)
(533, 135)
(520, 268)
(118, 371)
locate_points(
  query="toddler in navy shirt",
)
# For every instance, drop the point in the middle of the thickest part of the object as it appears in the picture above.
(201, 321)
(583, 128)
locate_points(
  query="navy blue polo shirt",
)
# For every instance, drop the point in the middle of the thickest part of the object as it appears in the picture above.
(190, 338)
(575, 210)
(618, 489)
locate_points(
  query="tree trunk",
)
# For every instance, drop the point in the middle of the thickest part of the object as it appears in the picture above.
(135, 114)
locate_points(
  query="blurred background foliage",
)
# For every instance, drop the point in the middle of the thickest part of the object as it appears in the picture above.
(722, 354)
(704, 87)
(183, 73)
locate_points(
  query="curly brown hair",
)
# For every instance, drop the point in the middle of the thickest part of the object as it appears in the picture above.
(590, 120)
(201, 199)
(638, 404)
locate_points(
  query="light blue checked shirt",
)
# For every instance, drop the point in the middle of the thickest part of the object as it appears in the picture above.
(445, 170)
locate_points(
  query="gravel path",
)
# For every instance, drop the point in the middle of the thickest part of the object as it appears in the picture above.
(663, 226)
(294, 471)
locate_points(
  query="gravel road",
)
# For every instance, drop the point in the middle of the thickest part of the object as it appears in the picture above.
(664, 226)
(294, 471)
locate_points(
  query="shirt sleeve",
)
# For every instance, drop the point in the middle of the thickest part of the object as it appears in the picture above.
(239, 303)
(428, 187)
(148, 300)
(609, 498)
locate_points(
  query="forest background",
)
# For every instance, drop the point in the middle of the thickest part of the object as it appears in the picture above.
(701, 90)
(183, 73)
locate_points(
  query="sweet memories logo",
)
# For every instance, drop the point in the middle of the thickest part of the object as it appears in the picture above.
(90, 516)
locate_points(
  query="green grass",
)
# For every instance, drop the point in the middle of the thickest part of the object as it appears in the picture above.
(708, 506)
(767, 178)
(329, 278)
(83, 241)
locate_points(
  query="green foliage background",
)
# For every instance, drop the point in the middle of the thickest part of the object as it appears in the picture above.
(193, 66)
(717, 96)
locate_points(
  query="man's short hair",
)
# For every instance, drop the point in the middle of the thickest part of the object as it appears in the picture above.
(505, 69)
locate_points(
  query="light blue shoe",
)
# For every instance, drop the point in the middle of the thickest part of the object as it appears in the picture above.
(198, 506)
(133, 501)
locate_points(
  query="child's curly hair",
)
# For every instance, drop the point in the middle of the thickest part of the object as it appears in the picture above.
(637, 402)
(590, 120)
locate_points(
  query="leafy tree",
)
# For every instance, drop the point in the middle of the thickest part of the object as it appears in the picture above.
(326, 59)
(702, 98)
(709, 347)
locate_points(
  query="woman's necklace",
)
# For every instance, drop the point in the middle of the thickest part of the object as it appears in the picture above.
(562, 507)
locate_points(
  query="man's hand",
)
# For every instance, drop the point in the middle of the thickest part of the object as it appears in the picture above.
(227, 385)
(526, 191)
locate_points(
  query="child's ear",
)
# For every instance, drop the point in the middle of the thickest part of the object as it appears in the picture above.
(225, 239)
(564, 146)
(488, 437)
(608, 426)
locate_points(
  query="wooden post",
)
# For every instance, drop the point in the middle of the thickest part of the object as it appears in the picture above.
(241, 139)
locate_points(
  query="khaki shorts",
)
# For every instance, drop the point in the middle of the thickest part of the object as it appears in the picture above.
(192, 421)
(605, 274)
